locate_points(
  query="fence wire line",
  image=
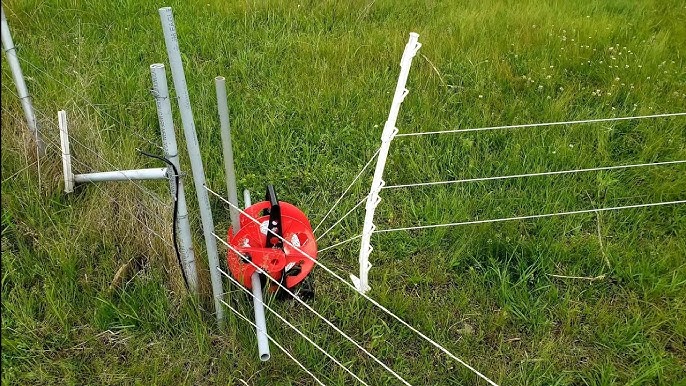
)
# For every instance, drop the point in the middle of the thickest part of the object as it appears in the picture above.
(19, 171)
(128, 210)
(273, 341)
(347, 189)
(234, 281)
(342, 218)
(340, 243)
(102, 114)
(109, 164)
(531, 216)
(541, 124)
(114, 168)
(534, 174)
(352, 287)
(320, 316)
(50, 142)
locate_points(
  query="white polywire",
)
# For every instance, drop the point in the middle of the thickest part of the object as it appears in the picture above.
(342, 218)
(234, 281)
(71, 138)
(97, 110)
(374, 302)
(49, 142)
(19, 171)
(542, 124)
(534, 174)
(273, 341)
(320, 316)
(103, 191)
(531, 216)
(340, 243)
(346, 190)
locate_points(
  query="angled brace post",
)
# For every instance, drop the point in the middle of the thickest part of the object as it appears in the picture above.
(389, 132)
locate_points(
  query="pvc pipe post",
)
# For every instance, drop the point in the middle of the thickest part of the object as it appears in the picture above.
(260, 322)
(122, 175)
(66, 153)
(246, 198)
(389, 132)
(22, 90)
(172, 44)
(227, 149)
(171, 152)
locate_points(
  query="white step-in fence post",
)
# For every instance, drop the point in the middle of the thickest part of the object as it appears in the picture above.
(180, 88)
(389, 132)
(171, 153)
(22, 90)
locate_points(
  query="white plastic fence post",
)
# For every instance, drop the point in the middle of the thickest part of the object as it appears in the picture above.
(389, 131)
(227, 148)
(22, 91)
(172, 44)
(171, 152)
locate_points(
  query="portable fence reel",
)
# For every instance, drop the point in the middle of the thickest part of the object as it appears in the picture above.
(260, 243)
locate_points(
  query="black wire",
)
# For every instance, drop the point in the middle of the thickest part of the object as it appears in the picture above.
(176, 210)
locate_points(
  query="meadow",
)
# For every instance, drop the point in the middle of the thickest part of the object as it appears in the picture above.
(92, 294)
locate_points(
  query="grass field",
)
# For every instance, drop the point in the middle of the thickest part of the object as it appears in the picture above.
(310, 84)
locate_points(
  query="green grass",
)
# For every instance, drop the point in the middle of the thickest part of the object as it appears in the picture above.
(310, 85)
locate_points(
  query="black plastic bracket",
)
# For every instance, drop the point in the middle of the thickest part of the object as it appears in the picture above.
(274, 233)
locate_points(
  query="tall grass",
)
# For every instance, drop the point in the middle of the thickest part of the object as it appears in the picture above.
(310, 84)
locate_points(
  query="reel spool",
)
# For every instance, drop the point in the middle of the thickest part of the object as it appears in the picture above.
(260, 243)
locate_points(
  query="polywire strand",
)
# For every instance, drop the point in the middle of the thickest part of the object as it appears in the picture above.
(347, 189)
(273, 341)
(534, 174)
(234, 281)
(129, 211)
(102, 114)
(342, 218)
(19, 171)
(340, 243)
(374, 302)
(531, 216)
(109, 164)
(71, 137)
(37, 135)
(320, 316)
(50, 142)
(542, 124)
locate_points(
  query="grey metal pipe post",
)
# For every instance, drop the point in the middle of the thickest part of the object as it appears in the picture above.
(262, 340)
(227, 149)
(122, 175)
(171, 152)
(172, 44)
(22, 91)
(258, 304)
(246, 198)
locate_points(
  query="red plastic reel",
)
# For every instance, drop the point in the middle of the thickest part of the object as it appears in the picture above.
(251, 241)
